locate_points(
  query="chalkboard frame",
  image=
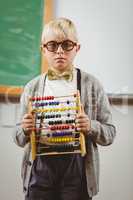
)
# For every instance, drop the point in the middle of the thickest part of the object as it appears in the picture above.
(13, 92)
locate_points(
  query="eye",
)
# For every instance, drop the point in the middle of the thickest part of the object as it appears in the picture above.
(68, 45)
(52, 46)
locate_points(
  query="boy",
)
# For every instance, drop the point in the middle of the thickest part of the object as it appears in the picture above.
(65, 177)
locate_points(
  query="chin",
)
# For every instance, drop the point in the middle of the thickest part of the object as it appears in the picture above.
(60, 67)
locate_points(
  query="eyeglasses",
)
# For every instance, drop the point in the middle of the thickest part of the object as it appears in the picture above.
(66, 45)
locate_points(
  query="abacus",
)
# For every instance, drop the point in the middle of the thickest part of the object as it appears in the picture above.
(55, 131)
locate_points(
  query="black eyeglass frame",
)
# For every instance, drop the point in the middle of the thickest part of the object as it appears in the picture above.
(58, 44)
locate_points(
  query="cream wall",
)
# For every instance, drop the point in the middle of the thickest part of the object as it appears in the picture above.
(105, 30)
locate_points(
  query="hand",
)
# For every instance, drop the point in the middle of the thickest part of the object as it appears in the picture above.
(27, 123)
(83, 123)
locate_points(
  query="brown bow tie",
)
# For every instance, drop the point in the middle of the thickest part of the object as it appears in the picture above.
(67, 75)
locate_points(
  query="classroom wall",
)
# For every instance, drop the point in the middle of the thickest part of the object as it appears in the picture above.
(105, 33)
(104, 59)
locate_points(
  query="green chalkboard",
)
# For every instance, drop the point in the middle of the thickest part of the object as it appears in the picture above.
(21, 24)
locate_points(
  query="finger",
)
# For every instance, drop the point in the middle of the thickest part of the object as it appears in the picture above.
(82, 109)
(27, 125)
(28, 116)
(82, 125)
(83, 130)
(28, 121)
(81, 116)
(81, 120)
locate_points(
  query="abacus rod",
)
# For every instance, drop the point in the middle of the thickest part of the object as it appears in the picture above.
(56, 97)
(32, 136)
(56, 132)
(82, 138)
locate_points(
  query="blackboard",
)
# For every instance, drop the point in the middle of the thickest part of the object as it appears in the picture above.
(21, 23)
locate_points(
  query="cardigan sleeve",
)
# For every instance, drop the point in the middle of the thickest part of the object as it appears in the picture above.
(19, 136)
(102, 129)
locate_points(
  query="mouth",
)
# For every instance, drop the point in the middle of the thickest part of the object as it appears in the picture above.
(60, 59)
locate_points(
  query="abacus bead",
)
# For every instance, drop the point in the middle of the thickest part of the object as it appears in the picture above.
(53, 128)
(67, 127)
(48, 135)
(37, 104)
(68, 102)
(53, 134)
(33, 98)
(72, 126)
(38, 117)
(39, 98)
(42, 104)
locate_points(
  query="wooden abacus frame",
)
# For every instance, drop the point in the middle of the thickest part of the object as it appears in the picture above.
(33, 141)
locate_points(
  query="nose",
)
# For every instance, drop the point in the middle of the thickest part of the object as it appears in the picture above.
(60, 49)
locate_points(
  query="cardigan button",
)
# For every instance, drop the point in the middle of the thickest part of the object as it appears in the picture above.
(29, 163)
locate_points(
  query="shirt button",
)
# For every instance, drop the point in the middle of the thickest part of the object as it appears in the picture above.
(29, 163)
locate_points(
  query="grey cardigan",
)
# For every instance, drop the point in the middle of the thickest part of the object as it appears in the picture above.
(102, 131)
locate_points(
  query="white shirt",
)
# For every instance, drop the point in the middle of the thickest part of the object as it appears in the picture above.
(61, 87)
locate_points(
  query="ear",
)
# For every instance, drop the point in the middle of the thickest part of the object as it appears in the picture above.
(42, 49)
(77, 47)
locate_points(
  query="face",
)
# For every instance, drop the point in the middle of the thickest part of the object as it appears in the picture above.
(60, 56)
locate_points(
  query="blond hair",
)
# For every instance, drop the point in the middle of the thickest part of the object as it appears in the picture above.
(60, 27)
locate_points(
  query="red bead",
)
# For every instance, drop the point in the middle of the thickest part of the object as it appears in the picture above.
(72, 126)
(53, 127)
(33, 98)
(39, 98)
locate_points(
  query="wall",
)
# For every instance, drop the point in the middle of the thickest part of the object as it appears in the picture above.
(10, 155)
(116, 178)
(105, 33)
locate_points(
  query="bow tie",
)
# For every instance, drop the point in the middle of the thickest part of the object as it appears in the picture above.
(67, 75)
